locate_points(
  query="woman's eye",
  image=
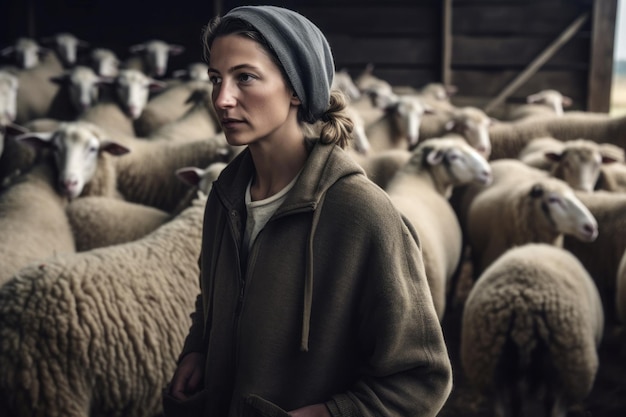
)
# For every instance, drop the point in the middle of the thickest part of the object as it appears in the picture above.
(215, 80)
(245, 77)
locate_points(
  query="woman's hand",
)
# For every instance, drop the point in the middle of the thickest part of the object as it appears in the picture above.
(188, 377)
(316, 410)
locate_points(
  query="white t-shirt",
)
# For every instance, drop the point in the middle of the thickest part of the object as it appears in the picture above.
(260, 211)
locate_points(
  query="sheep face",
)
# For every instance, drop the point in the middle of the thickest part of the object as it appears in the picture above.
(8, 98)
(202, 178)
(26, 52)
(458, 162)
(157, 55)
(578, 165)
(552, 99)
(473, 124)
(104, 62)
(82, 83)
(408, 113)
(133, 91)
(563, 210)
(67, 45)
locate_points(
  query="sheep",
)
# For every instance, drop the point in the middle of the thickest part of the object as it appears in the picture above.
(543, 103)
(81, 151)
(601, 257)
(470, 122)
(530, 332)
(146, 174)
(26, 50)
(577, 162)
(367, 81)
(171, 104)
(420, 191)
(16, 157)
(104, 62)
(343, 82)
(508, 139)
(522, 205)
(82, 85)
(399, 126)
(199, 122)
(195, 71)
(66, 46)
(104, 221)
(435, 95)
(152, 57)
(33, 224)
(612, 177)
(99, 332)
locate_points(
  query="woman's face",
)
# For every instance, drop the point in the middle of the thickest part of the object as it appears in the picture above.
(250, 95)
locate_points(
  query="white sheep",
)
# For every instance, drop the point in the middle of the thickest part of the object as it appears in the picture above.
(66, 46)
(152, 57)
(104, 62)
(82, 85)
(470, 122)
(420, 191)
(543, 103)
(343, 82)
(602, 256)
(33, 224)
(577, 162)
(81, 151)
(612, 177)
(508, 139)
(99, 332)
(522, 205)
(367, 81)
(26, 51)
(9, 84)
(531, 328)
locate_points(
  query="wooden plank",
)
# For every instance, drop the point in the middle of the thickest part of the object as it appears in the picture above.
(349, 50)
(446, 42)
(601, 59)
(375, 20)
(512, 19)
(488, 83)
(567, 34)
(516, 51)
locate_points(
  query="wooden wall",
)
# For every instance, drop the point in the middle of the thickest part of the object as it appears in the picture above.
(498, 50)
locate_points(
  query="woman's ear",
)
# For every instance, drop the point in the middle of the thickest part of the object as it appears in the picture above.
(294, 99)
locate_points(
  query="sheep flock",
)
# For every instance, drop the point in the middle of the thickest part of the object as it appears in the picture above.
(106, 158)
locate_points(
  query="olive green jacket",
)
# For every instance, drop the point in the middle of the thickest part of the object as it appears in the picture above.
(330, 306)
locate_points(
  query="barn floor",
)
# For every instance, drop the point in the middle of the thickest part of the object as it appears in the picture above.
(607, 399)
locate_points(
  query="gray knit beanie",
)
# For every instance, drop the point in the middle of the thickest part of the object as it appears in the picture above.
(302, 50)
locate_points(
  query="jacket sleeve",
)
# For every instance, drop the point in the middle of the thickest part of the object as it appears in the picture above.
(194, 341)
(408, 371)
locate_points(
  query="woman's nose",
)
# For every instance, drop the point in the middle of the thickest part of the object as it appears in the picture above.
(224, 97)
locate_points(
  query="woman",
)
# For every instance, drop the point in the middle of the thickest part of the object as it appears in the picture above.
(314, 298)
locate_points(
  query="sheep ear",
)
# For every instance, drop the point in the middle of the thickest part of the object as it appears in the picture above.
(113, 148)
(156, 85)
(536, 191)
(607, 159)
(36, 139)
(190, 175)
(434, 157)
(553, 156)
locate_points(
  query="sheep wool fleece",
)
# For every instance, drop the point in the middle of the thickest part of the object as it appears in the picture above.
(331, 305)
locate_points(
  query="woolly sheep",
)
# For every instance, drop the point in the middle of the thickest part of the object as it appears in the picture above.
(104, 221)
(470, 122)
(543, 103)
(522, 205)
(99, 332)
(420, 191)
(146, 174)
(81, 151)
(33, 224)
(26, 51)
(82, 85)
(531, 328)
(66, 46)
(577, 162)
(343, 82)
(612, 177)
(399, 126)
(367, 81)
(170, 104)
(8, 98)
(152, 57)
(104, 62)
(508, 139)
(602, 256)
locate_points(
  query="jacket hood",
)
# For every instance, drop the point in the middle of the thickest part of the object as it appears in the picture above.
(326, 165)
